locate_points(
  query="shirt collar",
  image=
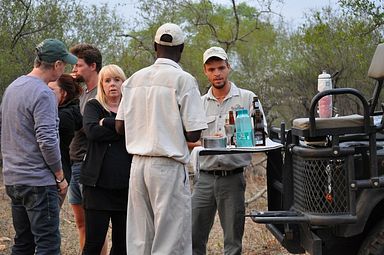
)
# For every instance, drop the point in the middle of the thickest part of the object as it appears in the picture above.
(88, 91)
(233, 91)
(167, 61)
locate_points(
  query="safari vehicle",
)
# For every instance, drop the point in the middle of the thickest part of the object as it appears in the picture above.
(329, 198)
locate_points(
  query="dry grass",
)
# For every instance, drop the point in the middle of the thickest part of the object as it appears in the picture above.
(257, 239)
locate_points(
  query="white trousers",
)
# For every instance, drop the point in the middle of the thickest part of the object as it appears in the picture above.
(159, 208)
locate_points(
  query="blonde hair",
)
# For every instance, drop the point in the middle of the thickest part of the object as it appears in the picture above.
(110, 70)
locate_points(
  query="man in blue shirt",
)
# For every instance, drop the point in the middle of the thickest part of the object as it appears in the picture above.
(33, 174)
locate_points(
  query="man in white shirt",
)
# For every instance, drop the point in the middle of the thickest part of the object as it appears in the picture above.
(221, 185)
(160, 112)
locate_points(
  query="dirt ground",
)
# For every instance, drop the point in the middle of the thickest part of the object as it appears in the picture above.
(256, 241)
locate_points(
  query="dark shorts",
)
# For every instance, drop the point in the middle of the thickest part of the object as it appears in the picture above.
(75, 195)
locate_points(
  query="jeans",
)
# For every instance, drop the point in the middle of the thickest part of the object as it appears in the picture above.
(35, 214)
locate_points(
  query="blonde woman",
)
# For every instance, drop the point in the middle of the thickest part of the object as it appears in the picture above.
(106, 167)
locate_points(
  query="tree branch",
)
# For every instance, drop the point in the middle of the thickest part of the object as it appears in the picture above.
(18, 34)
(139, 40)
(256, 196)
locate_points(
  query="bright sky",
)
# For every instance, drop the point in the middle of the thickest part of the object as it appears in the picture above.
(293, 11)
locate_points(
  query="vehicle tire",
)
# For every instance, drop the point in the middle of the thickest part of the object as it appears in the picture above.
(335, 245)
(373, 244)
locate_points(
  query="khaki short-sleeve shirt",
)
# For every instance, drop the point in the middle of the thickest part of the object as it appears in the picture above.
(158, 104)
(216, 113)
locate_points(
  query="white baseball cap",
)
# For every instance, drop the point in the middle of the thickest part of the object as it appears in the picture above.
(214, 52)
(170, 29)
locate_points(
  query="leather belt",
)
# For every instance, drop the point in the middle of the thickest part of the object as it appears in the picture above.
(223, 172)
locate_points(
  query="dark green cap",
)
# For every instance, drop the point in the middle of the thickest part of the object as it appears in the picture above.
(51, 50)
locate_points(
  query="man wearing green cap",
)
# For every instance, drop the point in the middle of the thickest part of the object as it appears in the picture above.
(32, 170)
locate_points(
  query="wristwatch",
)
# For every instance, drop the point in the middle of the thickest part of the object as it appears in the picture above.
(60, 181)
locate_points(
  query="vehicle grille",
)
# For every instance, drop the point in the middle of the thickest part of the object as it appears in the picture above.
(321, 185)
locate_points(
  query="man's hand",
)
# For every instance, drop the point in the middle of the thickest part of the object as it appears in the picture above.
(61, 182)
(193, 145)
(218, 134)
(62, 187)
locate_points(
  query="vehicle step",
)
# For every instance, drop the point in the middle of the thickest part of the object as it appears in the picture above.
(277, 217)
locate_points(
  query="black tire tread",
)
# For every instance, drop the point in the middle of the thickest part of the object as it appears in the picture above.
(373, 244)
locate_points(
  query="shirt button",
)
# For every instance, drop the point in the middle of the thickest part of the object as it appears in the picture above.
(219, 116)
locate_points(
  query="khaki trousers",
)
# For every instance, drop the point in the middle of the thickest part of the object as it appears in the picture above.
(225, 195)
(159, 208)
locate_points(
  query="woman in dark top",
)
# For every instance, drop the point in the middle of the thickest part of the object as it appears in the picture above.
(106, 167)
(67, 92)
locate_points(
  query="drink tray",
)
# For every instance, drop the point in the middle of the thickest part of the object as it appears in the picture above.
(270, 145)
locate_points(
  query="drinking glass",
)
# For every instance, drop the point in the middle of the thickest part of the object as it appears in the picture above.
(229, 132)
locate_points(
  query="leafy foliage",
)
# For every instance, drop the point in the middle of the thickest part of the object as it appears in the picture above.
(278, 63)
(329, 41)
(25, 23)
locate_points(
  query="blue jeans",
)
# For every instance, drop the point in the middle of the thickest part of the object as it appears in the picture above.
(35, 213)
